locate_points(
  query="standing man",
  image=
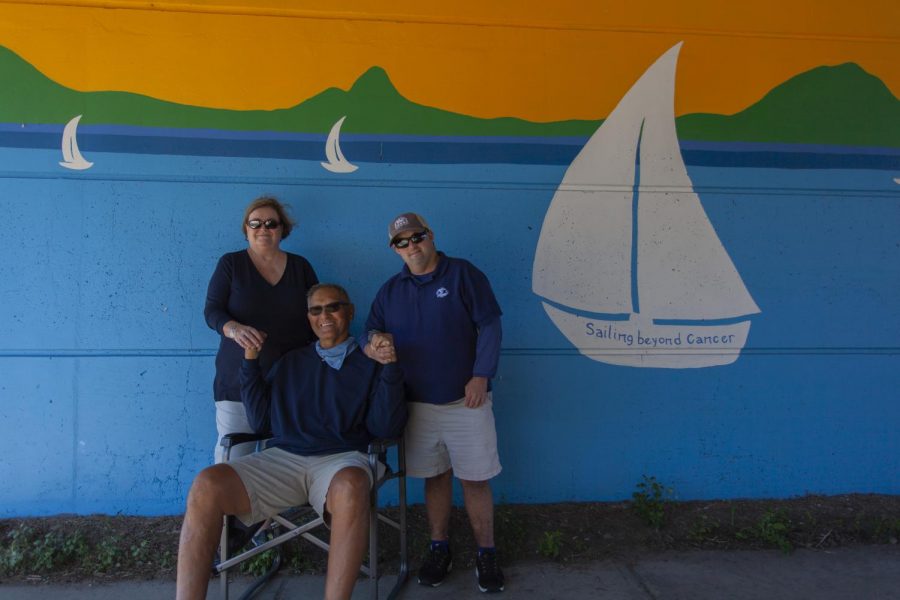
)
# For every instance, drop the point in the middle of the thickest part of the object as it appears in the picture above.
(445, 329)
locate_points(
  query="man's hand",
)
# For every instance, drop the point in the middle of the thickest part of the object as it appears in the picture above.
(251, 353)
(381, 348)
(476, 392)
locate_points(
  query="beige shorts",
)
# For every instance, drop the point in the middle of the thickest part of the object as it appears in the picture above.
(277, 480)
(441, 436)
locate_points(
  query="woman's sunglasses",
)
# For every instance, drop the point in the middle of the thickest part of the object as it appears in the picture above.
(330, 308)
(414, 239)
(268, 223)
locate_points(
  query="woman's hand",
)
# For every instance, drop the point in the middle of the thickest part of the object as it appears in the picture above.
(245, 336)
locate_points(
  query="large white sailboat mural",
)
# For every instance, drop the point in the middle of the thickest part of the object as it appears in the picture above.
(628, 266)
(72, 158)
(337, 163)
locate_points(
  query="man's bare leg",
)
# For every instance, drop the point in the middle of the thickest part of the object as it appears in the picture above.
(216, 491)
(438, 501)
(480, 508)
(347, 503)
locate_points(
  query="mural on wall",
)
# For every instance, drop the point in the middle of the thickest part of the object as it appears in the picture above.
(744, 214)
(626, 238)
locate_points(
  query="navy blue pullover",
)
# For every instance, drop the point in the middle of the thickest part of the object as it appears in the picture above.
(446, 328)
(311, 408)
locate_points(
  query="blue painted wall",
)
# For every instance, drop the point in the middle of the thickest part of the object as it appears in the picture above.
(106, 361)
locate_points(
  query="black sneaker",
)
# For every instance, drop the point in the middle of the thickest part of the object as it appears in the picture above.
(436, 565)
(490, 577)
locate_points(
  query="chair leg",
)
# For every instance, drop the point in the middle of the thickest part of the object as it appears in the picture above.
(373, 542)
(223, 556)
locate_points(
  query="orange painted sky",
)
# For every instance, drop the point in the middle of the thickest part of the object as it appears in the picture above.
(538, 60)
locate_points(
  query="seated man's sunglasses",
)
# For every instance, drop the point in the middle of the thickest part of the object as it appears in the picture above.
(415, 239)
(329, 308)
(268, 223)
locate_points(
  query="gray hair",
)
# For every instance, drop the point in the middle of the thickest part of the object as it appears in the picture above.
(328, 286)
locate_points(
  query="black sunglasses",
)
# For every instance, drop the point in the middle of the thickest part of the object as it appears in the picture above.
(330, 308)
(268, 223)
(414, 238)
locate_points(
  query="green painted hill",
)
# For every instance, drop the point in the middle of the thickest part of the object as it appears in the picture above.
(372, 105)
(827, 105)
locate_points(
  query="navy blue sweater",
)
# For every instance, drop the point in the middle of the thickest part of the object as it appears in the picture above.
(311, 408)
(237, 291)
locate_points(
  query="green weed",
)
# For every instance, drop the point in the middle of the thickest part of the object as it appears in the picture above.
(550, 544)
(887, 530)
(703, 529)
(259, 564)
(106, 554)
(26, 550)
(650, 500)
(772, 529)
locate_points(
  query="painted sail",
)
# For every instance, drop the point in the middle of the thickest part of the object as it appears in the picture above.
(72, 158)
(337, 163)
(626, 247)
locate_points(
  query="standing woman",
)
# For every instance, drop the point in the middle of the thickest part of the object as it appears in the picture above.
(255, 295)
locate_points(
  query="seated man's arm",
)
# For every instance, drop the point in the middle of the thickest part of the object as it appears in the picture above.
(387, 403)
(256, 391)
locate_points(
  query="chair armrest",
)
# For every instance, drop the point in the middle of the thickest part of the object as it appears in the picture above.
(233, 439)
(380, 445)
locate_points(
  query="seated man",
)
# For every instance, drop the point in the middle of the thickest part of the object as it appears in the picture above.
(323, 404)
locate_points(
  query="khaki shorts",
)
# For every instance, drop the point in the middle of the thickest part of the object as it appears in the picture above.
(277, 480)
(441, 436)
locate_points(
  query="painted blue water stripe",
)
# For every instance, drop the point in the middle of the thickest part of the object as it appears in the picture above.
(434, 152)
(177, 132)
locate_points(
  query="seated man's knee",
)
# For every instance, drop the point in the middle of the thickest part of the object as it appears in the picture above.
(349, 486)
(209, 487)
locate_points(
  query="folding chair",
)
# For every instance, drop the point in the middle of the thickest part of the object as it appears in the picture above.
(285, 530)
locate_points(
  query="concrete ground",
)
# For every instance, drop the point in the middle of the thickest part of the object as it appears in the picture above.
(859, 573)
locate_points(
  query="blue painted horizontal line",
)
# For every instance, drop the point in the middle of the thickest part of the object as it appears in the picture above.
(210, 352)
(96, 353)
(354, 182)
(384, 150)
(704, 322)
(618, 317)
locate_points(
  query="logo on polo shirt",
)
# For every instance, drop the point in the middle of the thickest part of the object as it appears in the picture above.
(442, 293)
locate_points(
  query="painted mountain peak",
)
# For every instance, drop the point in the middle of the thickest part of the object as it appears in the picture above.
(827, 105)
(840, 104)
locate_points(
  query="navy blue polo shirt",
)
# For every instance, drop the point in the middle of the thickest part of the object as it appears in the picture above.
(446, 328)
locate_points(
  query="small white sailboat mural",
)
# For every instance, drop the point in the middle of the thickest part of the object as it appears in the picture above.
(628, 266)
(336, 161)
(72, 158)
